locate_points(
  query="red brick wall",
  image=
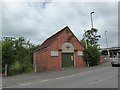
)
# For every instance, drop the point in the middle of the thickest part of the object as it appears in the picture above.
(54, 62)
(46, 62)
(58, 45)
(41, 59)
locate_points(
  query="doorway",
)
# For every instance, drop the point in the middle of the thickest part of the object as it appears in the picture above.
(67, 59)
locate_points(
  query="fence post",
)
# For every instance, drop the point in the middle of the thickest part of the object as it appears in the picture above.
(6, 67)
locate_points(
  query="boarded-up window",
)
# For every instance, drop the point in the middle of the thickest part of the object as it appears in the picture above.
(54, 53)
(80, 53)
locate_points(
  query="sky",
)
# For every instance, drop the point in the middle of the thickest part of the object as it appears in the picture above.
(37, 21)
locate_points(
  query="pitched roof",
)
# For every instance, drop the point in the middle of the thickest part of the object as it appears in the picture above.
(51, 39)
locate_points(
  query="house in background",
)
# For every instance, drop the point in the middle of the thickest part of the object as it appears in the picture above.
(60, 50)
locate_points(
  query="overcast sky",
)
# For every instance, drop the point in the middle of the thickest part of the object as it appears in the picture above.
(39, 20)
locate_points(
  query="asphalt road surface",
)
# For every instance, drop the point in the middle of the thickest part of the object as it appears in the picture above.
(0, 82)
(104, 77)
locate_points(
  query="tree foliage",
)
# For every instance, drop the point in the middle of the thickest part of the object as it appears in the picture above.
(7, 52)
(91, 37)
(17, 54)
(92, 55)
(90, 44)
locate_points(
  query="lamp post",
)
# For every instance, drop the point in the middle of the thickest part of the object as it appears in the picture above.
(85, 38)
(91, 18)
(107, 43)
(106, 39)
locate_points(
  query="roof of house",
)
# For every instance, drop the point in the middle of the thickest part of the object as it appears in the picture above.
(51, 39)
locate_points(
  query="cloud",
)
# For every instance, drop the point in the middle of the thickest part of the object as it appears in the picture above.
(39, 20)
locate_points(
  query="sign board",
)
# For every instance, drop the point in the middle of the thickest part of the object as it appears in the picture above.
(80, 53)
(54, 53)
(67, 48)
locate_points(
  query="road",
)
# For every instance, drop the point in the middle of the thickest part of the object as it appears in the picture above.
(0, 82)
(103, 77)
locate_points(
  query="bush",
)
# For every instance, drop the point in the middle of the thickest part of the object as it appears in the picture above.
(26, 65)
(92, 55)
(16, 50)
(14, 69)
(29, 68)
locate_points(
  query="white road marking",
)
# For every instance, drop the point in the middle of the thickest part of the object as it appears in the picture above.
(44, 80)
(103, 68)
(90, 71)
(96, 69)
(24, 84)
(82, 73)
(18, 85)
(61, 77)
(70, 75)
(66, 76)
(91, 83)
(94, 82)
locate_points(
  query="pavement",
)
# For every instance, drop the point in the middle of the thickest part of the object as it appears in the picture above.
(26, 79)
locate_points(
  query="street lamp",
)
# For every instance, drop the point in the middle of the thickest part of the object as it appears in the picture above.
(106, 39)
(85, 39)
(91, 18)
(107, 43)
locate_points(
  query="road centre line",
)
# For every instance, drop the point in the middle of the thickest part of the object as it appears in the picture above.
(80, 73)
(103, 68)
(94, 82)
(24, 84)
(71, 75)
(18, 85)
(96, 69)
(90, 71)
(44, 80)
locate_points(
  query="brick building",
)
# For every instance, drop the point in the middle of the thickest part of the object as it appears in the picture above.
(60, 50)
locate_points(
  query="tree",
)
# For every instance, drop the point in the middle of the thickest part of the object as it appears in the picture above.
(91, 37)
(90, 44)
(7, 53)
(24, 50)
(17, 54)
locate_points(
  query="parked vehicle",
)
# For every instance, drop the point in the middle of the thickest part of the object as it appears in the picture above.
(115, 62)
